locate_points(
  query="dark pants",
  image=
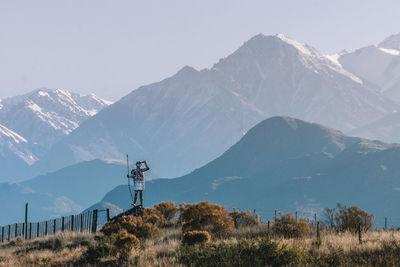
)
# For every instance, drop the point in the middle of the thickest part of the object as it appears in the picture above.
(141, 197)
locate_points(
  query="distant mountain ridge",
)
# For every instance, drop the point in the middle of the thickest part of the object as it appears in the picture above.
(378, 66)
(290, 165)
(67, 191)
(191, 118)
(40, 119)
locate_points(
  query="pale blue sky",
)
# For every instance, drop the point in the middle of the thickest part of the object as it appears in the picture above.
(112, 47)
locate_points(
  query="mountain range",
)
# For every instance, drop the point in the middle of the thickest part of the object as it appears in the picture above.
(208, 127)
(191, 118)
(287, 164)
(378, 66)
(67, 191)
(30, 124)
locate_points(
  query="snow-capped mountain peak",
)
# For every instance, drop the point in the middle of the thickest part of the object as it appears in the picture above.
(59, 109)
(41, 118)
(303, 48)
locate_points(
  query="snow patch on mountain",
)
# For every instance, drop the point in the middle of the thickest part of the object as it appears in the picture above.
(14, 145)
(14, 136)
(313, 59)
(393, 52)
(303, 48)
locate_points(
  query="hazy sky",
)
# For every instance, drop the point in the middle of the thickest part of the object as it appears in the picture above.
(112, 47)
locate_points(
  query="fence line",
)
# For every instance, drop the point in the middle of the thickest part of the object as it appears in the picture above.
(83, 222)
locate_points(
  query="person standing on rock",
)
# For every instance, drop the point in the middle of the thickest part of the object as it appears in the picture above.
(138, 180)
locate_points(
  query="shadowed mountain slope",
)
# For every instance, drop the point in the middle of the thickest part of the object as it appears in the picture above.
(288, 164)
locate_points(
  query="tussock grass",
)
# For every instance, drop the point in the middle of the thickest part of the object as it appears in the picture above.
(379, 248)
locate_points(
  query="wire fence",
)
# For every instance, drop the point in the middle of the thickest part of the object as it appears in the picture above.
(314, 216)
(84, 222)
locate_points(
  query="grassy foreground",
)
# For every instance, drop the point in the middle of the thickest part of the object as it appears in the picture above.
(248, 246)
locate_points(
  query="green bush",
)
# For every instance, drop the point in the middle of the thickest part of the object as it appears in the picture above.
(208, 217)
(196, 237)
(243, 218)
(288, 227)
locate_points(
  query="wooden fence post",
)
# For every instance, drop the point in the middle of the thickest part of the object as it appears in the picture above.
(94, 222)
(268, 227)
(30, 230)
(45, 229)
(54, 226)
(26, 220)
(72, 222)
(62, 224)
(38, 229)
(81, 222)
(2, 234)
(315, 219)
(108, 214)
(359, 234)
(9, 232)
(296, 215)
(23, 230)
(16, 230)
(318, 233)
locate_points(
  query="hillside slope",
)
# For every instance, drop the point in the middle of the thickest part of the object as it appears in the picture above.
(288, 164)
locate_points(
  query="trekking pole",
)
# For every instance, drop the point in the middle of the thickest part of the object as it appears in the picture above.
(129, 183)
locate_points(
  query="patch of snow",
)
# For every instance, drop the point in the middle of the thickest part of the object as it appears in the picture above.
(42, 93)
(32, 105)
(16, 137)
(335, 59)
(393, 52)
(300, 46)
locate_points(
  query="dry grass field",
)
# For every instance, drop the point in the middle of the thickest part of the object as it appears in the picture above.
(165, 249)
(206, 234)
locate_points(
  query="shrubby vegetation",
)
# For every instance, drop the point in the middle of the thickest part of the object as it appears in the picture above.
(169, 211)
(207, 234)
(289, 227)
(196, 237)
(208, 217)
(348, 218)
(244, 218)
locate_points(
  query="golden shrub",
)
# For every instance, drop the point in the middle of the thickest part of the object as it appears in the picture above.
(152, 216)
(168, 209)
(124, 242)
(289, 227)
(244, 218)
(133, 225)
(205, 216)
(196, 237)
